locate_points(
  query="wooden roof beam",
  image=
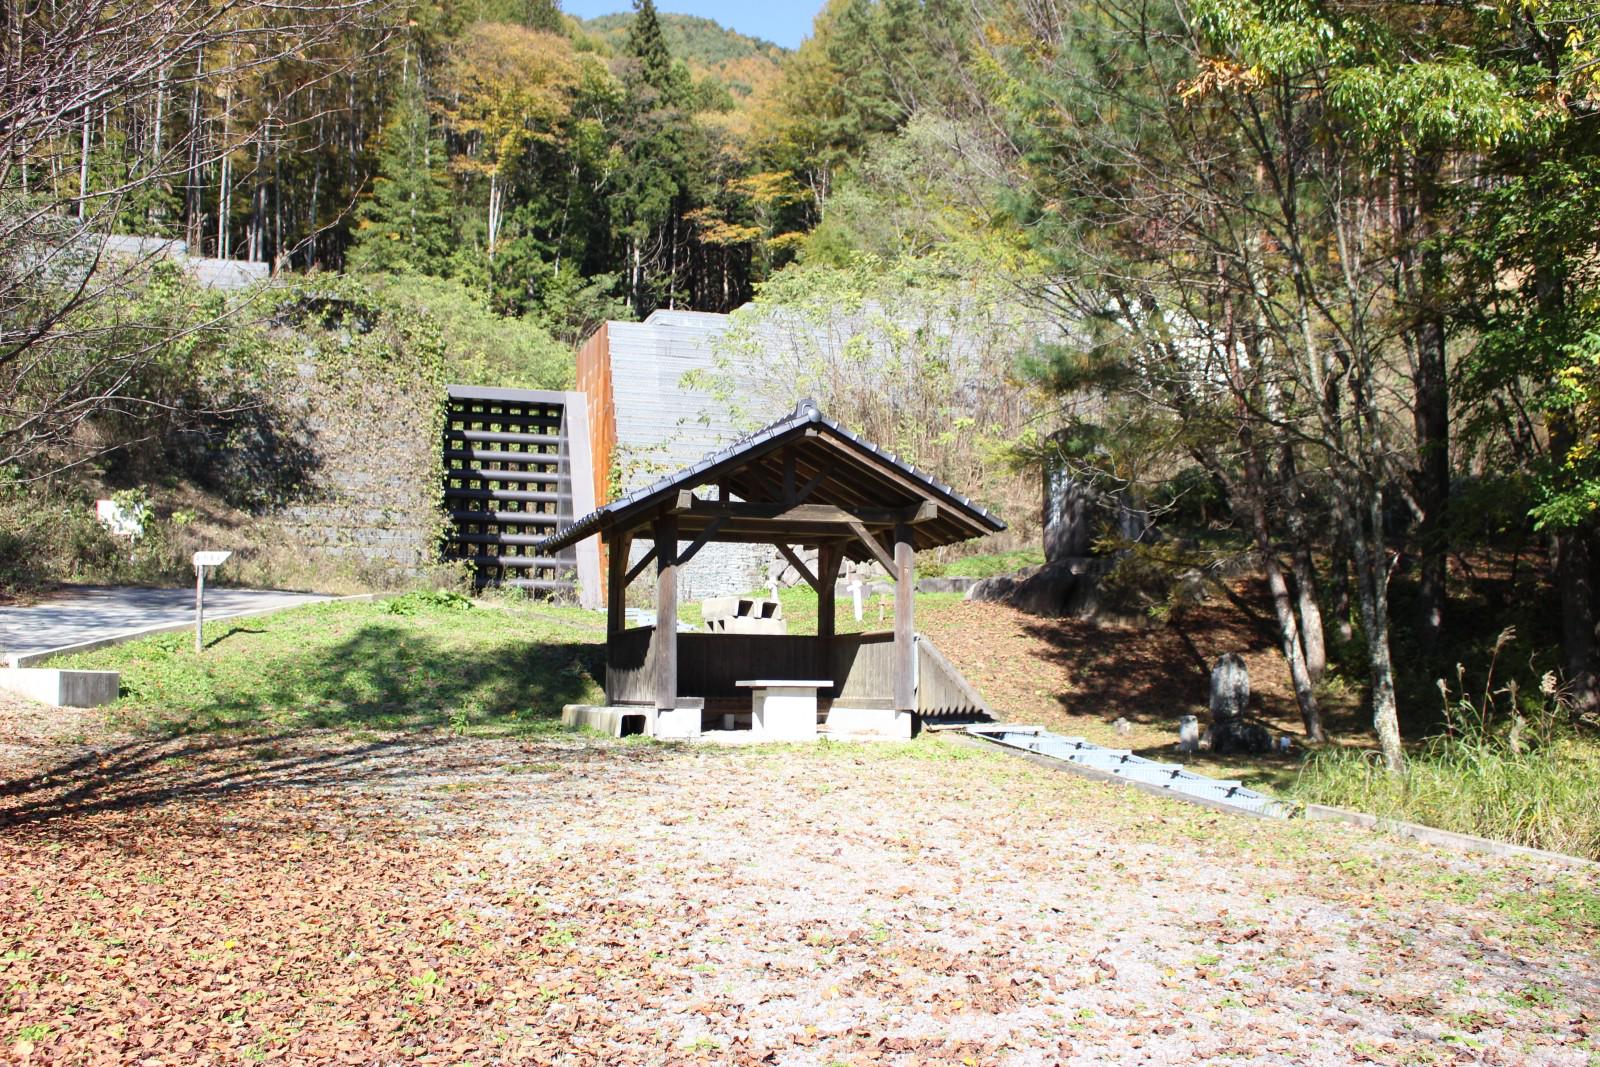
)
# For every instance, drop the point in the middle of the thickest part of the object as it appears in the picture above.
(688, 504)
(799, 565)
(881, 554)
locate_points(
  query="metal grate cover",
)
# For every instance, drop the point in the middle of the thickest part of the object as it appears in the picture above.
(1124, 764)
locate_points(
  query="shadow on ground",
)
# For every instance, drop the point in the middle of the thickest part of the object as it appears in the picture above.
(1060, 672)
(289, 706)
(148, 772)
(383, 674)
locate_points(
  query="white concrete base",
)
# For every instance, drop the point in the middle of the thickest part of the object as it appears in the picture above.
(615, 721)
(62, 688)
(845, 723)
(785, 713)
(680, 724)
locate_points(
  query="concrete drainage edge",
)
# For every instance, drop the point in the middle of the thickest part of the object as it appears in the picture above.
(1428, 835)
(34, 659)
(1432, 835)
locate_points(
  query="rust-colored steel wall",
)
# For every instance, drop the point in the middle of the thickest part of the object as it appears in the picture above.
(594, 382)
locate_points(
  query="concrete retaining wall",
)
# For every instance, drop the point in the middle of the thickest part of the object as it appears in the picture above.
(62, 688)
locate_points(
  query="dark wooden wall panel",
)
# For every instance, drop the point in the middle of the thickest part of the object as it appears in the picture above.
(507, 484)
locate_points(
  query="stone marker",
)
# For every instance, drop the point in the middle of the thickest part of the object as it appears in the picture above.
(1188, 733)
(1230, 696)
(1230, 687)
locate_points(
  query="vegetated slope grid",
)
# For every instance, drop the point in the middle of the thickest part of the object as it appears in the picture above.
(570, 900)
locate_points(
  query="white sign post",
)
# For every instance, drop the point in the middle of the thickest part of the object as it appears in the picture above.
(202, 560)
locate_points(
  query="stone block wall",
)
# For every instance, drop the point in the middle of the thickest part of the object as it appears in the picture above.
(371, 495)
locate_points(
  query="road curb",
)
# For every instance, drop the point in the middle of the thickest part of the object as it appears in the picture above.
(34, 659)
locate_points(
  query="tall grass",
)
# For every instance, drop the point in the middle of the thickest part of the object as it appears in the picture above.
(1508, 766)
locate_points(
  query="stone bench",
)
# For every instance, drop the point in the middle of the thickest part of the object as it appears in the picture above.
(784, 709)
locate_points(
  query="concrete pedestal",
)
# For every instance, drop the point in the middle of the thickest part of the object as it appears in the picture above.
(784, 709)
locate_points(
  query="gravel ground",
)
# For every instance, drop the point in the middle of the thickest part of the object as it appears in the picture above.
(427, 899)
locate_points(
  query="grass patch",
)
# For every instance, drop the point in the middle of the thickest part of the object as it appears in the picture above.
(986, 566)
(1541, 797)
(420, 661)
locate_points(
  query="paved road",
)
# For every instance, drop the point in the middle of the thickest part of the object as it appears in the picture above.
(90, 613)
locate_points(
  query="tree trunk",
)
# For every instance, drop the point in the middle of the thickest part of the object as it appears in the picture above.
(194, 222)
(1572, 563)
(155, 141)
(494, 212)
(1305, 571)
(1431, 419)
(1340, 584)
(1288, 625)
(83, 168)
(1363, 527)
(1311, 631)
(224, 192)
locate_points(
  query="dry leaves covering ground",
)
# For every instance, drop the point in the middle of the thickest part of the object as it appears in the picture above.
(425, 899)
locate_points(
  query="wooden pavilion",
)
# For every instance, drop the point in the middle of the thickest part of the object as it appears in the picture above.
(802, 482)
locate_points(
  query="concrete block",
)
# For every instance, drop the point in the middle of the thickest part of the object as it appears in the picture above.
(625, 721)
(62, 688)
(844, 723)
(742, 615)
(741, 624)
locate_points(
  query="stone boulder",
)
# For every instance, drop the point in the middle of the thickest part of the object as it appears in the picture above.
(1061, 588)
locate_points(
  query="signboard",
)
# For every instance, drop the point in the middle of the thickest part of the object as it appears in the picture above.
(202, 560)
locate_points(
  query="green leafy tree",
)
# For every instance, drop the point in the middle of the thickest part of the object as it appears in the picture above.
(1530, 241)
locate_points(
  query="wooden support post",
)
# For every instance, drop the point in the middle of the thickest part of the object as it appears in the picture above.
(617, 584)
(905, 648)
(616, 599)
(829, 556)
(666, 635)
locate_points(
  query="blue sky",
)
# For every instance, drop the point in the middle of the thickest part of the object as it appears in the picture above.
(784, 22)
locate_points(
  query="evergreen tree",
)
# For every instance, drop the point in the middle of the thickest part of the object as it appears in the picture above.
(647, 44)
(404, 227)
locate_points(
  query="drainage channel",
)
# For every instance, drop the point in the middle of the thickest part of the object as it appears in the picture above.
(1123, 764)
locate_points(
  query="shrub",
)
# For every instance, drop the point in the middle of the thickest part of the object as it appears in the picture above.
(426, 600)
(1508, 766)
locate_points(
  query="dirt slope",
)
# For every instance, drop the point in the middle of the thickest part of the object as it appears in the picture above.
(1078, 678)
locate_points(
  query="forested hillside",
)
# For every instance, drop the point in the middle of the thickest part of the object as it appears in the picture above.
(746, 65)
(1311, 285)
